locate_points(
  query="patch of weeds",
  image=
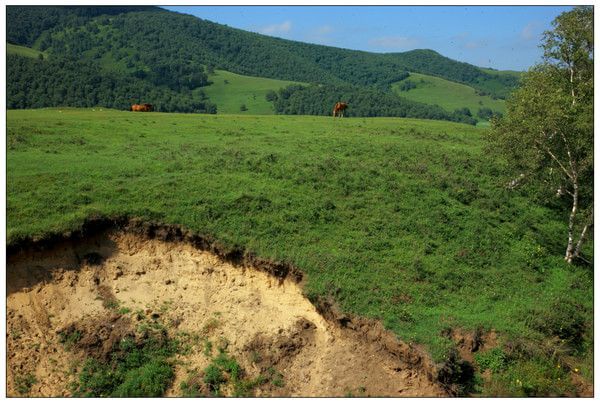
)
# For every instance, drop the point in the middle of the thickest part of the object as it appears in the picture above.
(124, 311)
(111, 303)
(137, 367)
(210, 325)
(207, 348)
(23, 383)
(359, 392)
(166, 305)
(191, 386)
(244, 388)
(255, 357)
(214, 378)
(69, 339)
(536, 377)
(225, 369)
(149, 380)
(495, 360)
(276, 377)
(564, 319)
(222, 344)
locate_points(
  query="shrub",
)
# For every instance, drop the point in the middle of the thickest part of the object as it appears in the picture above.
(564, 319)
(494, 360)
(150, 380)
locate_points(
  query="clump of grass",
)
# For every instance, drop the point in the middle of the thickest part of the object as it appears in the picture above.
(69, 339)
(23, 383)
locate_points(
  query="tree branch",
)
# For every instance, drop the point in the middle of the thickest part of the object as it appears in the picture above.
(547, 149)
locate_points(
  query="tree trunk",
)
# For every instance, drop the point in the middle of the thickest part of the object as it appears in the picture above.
(583, 234)
(569, 255)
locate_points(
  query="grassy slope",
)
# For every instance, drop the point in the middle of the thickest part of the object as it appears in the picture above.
(240, 89)
(398, 219)
(514, 73)
(447, 94)
(23, 51)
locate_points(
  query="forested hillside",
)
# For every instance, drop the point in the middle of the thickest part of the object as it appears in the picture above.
(318, 99)
(175, 51)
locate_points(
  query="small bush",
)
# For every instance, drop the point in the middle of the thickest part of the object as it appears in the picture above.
(213, 378)
(563, 319)
(494, 360)
(150, 380)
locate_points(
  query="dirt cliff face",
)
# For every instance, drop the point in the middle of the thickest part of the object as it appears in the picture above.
(97, 287)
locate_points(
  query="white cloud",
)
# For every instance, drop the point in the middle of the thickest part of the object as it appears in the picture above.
(474, 45)
(529, 31)
(273, 29)
(395, 42)
(323, 30)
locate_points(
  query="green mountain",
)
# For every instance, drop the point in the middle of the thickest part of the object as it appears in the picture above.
(175, 52)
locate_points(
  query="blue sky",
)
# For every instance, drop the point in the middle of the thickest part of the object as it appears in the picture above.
(502, 37)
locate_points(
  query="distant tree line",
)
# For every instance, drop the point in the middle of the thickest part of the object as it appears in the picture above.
(33, 83)
(364, 102)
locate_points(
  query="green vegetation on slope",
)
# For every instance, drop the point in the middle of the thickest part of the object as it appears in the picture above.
(24, 51)
(229, 91)
(151, 41)
(363, 102)
(396, 219)
(36, 83)
(447, 94)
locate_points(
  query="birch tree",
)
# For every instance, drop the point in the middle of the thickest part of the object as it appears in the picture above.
(548, 130)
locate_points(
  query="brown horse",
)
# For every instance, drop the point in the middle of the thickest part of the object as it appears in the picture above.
(339, 108)
(141, 108)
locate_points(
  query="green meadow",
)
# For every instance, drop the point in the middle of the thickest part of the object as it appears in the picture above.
(447, 94)
(23, 51)
(403, 220)
(230, 91)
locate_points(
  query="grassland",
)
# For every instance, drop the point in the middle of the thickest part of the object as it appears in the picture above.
(447, 94)
(230, 91)
(24, 51)
(402, 220)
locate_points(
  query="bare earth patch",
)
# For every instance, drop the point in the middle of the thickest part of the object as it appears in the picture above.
(78, 298)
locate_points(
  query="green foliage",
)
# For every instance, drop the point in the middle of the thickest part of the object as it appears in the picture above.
(537, 377)
(215, 373)
(135, 369)
(191, 386)
(563, 319)
(36, 84)
(320, 99)
(23, 383)
(149, 380)
(495, 360)
(69, 339)
(547, 133)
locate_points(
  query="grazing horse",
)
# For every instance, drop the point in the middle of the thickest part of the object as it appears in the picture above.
(339, 108)
(141, 108)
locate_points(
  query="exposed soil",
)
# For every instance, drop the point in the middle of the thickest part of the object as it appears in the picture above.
(92, 287)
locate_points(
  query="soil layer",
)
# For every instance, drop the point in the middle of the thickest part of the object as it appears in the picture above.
(94, 285)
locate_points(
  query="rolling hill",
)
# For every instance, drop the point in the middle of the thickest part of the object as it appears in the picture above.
(447, 94)
(175, 51)
(229, 91)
